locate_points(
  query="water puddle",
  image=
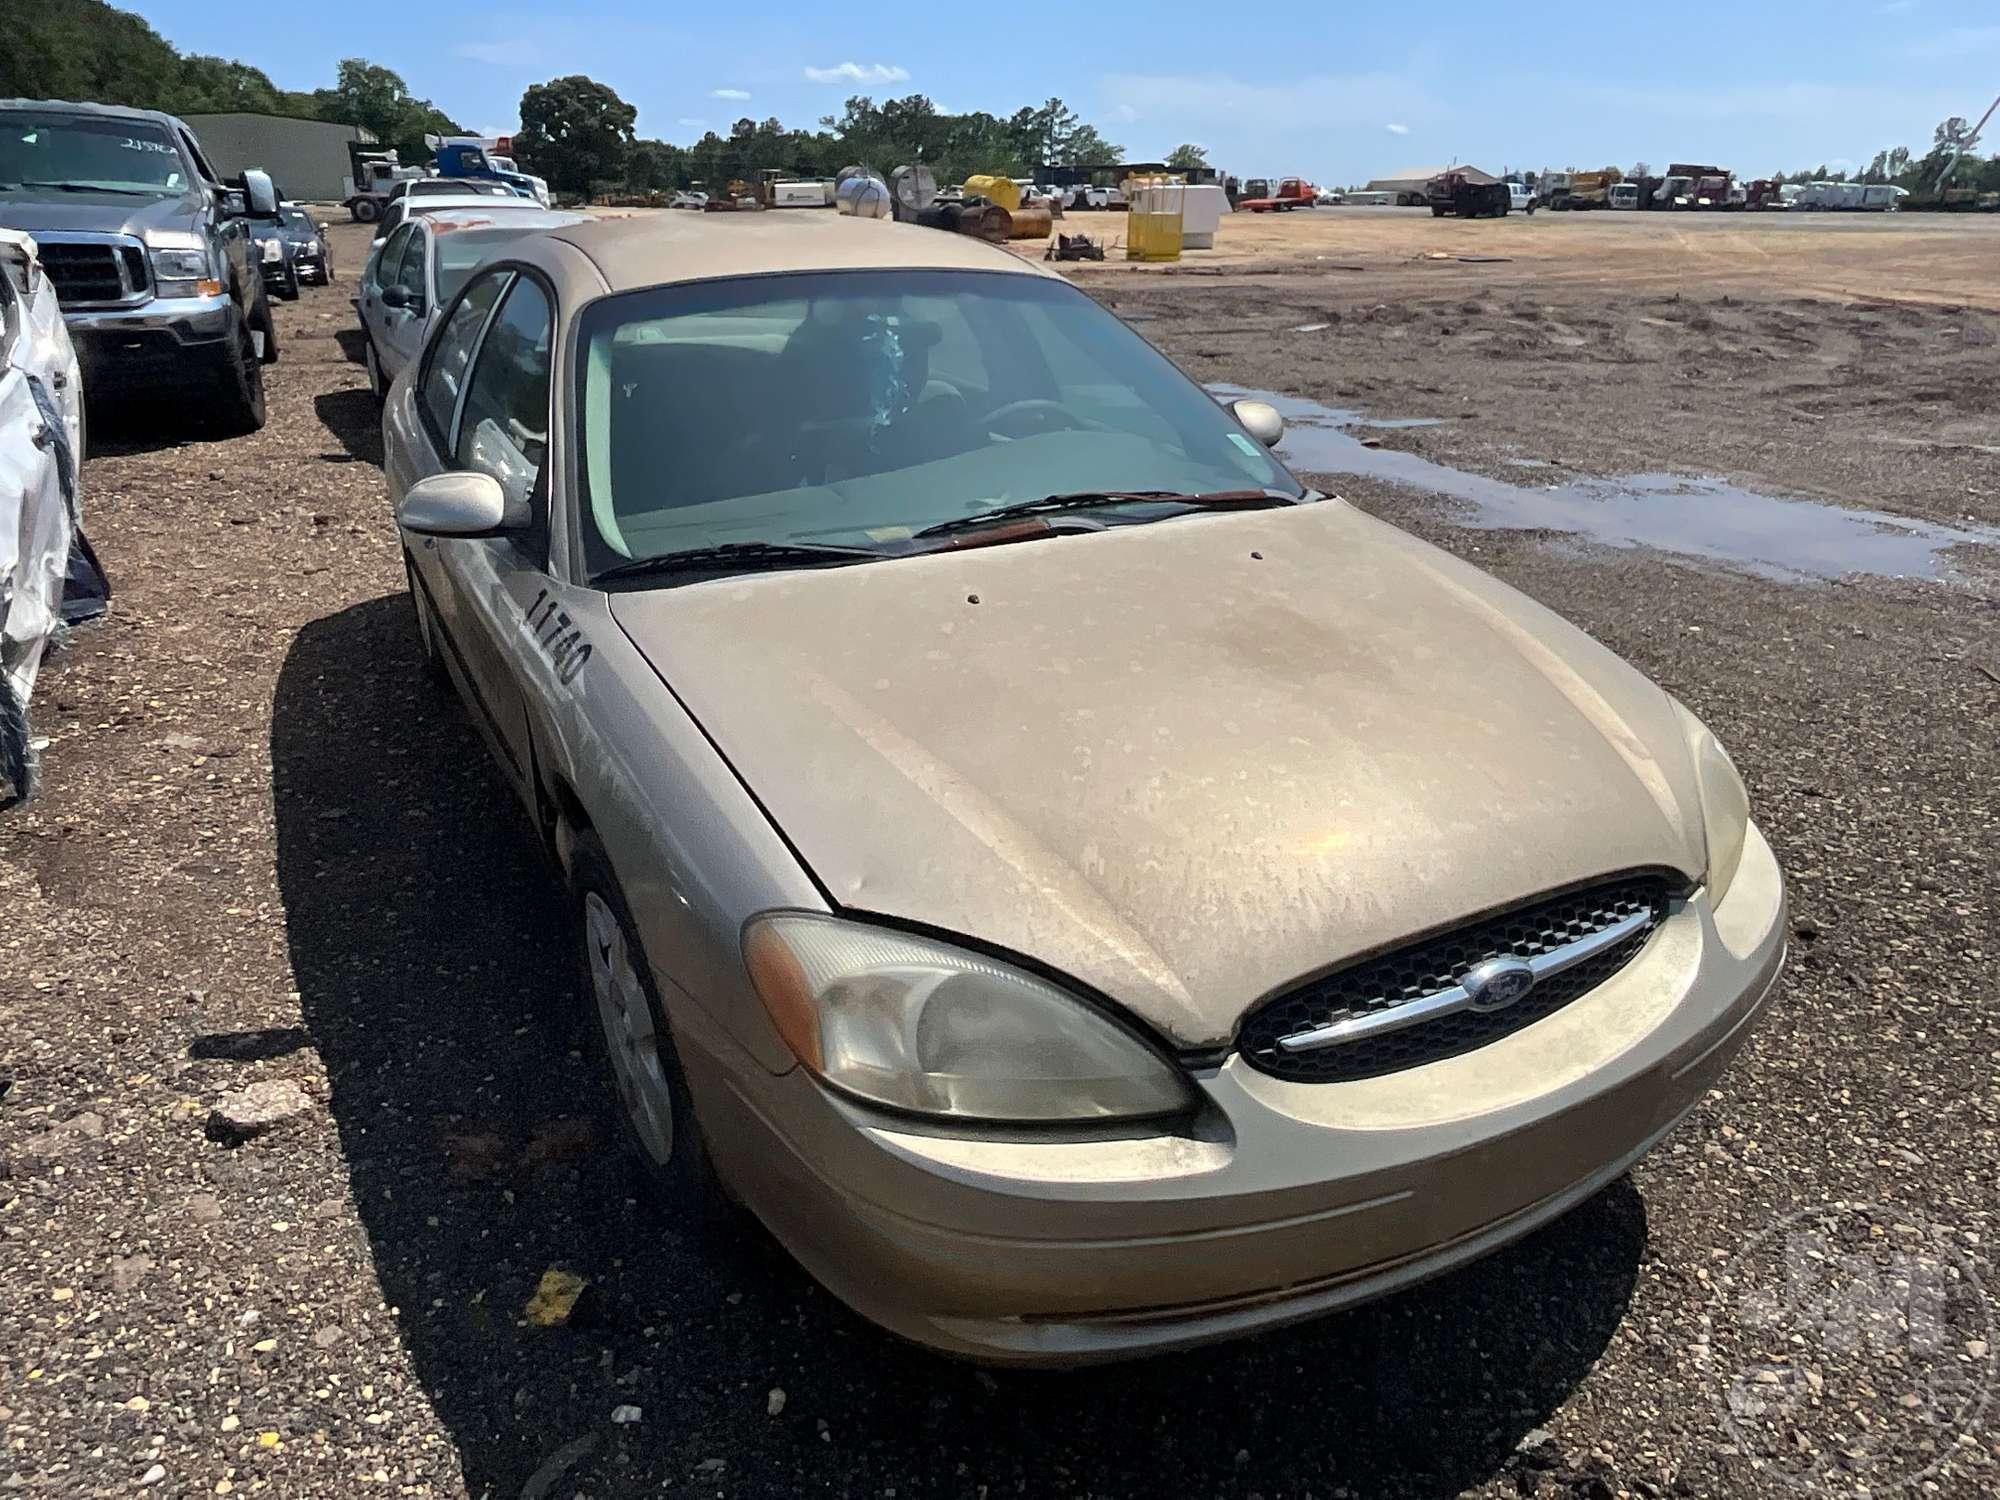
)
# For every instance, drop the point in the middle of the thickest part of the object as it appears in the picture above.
(1705, 518)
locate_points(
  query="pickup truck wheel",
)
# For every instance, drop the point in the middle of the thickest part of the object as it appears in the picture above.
(635, 1047)
(265, 327)
(238, 400)
(366, 211)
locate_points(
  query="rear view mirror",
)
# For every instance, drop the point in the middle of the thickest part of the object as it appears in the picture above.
(463, 503)
(1260, 419)
(260, 194)
(399, 297)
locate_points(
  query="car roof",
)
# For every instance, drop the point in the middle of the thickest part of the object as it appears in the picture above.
(74, 107)
(477, 221)
(675, 245)
(432, 208)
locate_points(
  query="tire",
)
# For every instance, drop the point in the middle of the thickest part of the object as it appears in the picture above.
(428, 643)
(366, 210)
(237, 403)
(647, 1088)
(377, 386)
(262, 321)
(1437, 210)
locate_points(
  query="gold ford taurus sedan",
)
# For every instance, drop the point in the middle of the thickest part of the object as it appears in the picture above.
(1084, 891)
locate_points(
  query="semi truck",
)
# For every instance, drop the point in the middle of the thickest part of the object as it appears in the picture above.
(468, 156)
(374, 175)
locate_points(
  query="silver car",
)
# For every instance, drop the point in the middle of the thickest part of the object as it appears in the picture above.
(1084, 891)
(420, 265)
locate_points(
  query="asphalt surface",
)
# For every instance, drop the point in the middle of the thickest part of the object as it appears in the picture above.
(267, 850)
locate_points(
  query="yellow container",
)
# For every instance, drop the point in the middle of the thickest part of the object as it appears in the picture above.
(1153, 218)
(1000, 190)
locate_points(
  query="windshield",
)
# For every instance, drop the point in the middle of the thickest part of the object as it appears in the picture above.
(88, 151)
(860, 407)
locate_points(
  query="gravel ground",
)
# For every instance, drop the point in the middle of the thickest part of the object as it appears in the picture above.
(267, 852)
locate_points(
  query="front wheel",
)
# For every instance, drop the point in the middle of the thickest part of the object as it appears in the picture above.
(365, 211)
(634, 1044)
(237, 406)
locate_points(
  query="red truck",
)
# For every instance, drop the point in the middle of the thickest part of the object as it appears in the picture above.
(1293, 192)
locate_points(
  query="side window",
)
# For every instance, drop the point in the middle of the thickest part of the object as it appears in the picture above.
(200, 162)
(451, 352)
(504, 430)
(410, 271)
(382, 270)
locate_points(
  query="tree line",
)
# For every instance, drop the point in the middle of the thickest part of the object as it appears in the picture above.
(1952, 145)
(581, 136)
(87, 50)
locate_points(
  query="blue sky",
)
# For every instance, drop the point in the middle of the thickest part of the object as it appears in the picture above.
(1338, 92)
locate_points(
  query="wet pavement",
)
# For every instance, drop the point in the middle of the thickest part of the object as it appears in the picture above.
(1698, 516)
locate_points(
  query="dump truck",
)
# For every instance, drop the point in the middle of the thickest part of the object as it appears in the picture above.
(1455, 193)
(1587, 190)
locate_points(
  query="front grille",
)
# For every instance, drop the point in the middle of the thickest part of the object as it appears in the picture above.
(82, 274)
(1435, 965)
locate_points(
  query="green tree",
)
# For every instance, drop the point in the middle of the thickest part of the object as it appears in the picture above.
(83, 49)
(220, 84)
(1184, 158)
(1055, 134)
(574, 131)
(376, 98)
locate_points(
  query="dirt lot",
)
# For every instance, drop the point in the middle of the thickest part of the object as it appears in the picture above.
(265, 850)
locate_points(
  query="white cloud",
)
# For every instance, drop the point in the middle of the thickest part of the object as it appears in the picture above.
(853, 72)
(1397, 129)
(514, 54)
(729, 93)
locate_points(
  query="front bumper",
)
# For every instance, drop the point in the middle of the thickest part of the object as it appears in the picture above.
(148, 344)
(1281, 1202)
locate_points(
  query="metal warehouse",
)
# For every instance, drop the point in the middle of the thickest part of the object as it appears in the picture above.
(306, 158)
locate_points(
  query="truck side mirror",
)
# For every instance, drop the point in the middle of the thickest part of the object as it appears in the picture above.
(260, 194)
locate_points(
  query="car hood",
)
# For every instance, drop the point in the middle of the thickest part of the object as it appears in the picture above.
(1189, 763)
(97, 213)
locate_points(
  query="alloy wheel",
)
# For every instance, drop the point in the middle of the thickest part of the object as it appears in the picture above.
(631, 1038)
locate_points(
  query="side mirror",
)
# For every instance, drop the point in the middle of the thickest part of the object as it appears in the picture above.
(463, 503)
(260, 194)
(234, 205)
(399, 297)
(1260, 419)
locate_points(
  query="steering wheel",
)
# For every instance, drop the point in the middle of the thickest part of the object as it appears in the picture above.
(1038, 414)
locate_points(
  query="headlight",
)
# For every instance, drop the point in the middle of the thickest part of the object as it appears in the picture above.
(311, 247)
(917, 1025)
(272, 251)
(182, 273)
(1725, 805)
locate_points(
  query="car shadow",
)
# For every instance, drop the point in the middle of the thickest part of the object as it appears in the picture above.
(432, 957)
(354, 416)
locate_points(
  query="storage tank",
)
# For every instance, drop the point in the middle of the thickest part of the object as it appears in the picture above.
(1000, 190)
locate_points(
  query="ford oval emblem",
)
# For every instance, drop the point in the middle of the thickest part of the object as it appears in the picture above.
(1497, 983)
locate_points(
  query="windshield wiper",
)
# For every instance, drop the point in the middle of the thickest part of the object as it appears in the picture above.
(92, 187)
(1095, 499)
(739, 556)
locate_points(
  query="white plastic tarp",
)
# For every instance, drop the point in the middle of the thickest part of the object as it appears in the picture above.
(41, 433)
